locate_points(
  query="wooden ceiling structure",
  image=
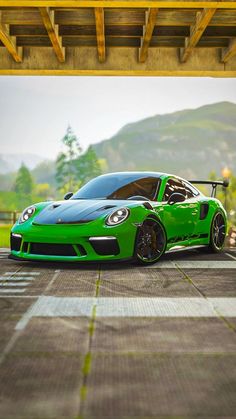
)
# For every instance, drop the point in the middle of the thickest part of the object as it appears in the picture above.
(118, 37)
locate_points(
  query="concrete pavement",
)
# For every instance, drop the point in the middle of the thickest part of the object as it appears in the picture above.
(119, 341)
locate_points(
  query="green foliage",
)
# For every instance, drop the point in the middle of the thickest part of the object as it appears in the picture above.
(5, 235)
(11, 201)
(228, 198)
(7, 181)
(24, 181)
(74, 168)
(88, 166)
(66, 172)
(23, 187)
(43, 190)
(45, 172)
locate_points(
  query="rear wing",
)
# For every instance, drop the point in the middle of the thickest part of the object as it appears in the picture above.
(213, 183)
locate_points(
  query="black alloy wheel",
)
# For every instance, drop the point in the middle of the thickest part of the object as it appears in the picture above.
(150, 242)
(218, 232)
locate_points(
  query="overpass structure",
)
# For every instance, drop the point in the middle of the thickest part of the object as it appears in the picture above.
(118, 37)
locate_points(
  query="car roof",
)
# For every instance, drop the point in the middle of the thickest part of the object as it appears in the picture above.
(135, 174)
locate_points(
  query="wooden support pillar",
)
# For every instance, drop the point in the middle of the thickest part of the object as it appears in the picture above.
(10, 41)
(151, 16)
(229, 52)
(202, 20)
(53, 33)
(100, 30)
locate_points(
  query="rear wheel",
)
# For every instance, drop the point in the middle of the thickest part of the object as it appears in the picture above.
(150, 242)
(218, 233)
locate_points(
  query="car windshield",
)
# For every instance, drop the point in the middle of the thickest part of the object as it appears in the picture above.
(120, 187)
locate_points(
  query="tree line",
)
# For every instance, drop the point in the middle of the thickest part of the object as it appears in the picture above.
(73, 168)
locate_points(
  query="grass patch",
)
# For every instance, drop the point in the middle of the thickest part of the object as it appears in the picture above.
(5, 235)
(87, 364)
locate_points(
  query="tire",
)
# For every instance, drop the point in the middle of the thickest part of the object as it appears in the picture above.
(217, 233)
(150, 242)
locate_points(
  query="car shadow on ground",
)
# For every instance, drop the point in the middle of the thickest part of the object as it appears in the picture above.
(189, 254)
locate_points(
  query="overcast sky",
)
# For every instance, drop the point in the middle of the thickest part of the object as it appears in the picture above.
(35, 111)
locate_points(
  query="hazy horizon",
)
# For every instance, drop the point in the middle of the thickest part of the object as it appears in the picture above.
(40, 108)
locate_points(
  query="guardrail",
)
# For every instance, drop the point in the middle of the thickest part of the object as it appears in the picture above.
(9, 217)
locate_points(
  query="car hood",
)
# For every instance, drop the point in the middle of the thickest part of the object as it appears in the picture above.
(77, 211)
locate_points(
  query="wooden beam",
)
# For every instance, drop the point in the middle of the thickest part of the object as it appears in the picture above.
(52, 30)
(229, 52)
(169, 4)
(100, 31)
(120, 61)
(202, 20)
(151, 17)
(10, 41)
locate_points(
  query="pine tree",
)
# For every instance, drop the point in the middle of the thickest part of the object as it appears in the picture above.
(66, 173)
(24, 182)
(88, 166)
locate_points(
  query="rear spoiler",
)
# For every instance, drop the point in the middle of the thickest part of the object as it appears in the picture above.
(213, 183)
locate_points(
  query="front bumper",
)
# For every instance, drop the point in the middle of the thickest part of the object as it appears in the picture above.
(89, 242)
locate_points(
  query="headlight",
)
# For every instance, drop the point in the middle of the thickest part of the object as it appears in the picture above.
(117, 217)
(26, 214)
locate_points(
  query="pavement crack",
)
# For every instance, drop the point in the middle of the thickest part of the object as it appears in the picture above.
(87, 363)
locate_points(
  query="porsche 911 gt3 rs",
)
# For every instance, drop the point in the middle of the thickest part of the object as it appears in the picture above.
(118, 216)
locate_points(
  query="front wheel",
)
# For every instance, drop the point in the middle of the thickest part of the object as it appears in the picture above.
(217, 233)
(150, 242)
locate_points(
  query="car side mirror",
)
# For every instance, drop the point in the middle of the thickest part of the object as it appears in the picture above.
(68, 195)
(176, 197)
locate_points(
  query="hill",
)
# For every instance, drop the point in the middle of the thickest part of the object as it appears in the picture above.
(190, 143)
(12, 162)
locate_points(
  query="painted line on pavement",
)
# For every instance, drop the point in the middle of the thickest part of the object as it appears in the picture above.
(17, 278)
(198, 264)
(10, 290)
(14, 284)
(47, 306)
(20, 296)
(22, 273)
(231, 256)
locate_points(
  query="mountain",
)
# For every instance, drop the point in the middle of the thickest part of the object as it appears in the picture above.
(12, 162)
(190, 143)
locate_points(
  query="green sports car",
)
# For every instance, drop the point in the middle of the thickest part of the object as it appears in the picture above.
(118, 216)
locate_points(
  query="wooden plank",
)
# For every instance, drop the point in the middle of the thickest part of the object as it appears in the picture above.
(75, 17)
(220, 31)
(21, 17)
(151, 17)
(229, 52)
(52, 30)
(224, 18)
(166, 17)
(223, 4)
(122, 31)
(91, 41)
(77, 30)
(202, 20)
(100, 31)
(34, 41)
(31, 30)
(111, 30)
(10, 41)
(179, 42)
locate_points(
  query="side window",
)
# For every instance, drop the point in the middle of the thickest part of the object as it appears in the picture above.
(173, 185)
(191, 192)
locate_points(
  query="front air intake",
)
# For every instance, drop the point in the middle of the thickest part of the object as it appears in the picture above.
(51, 249)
